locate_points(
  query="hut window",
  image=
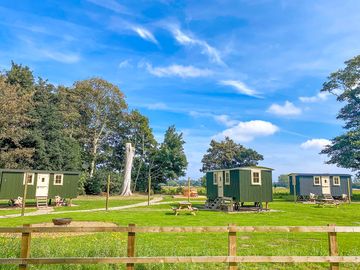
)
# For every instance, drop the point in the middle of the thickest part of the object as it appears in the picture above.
(227, 177)
(336, 180)
(215, 178)
(29, 177)
(58, 179)
(256, 177)
(316, 180)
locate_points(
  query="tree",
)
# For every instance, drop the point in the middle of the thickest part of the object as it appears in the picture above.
(169, 162)
(283, 180)
(101, 107)
(14, 121)
(227, 154)
(344, 150)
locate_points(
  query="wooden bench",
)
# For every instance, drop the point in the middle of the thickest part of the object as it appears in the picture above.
(185, 207)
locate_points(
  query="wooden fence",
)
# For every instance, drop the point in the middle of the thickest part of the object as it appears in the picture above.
(232, 259)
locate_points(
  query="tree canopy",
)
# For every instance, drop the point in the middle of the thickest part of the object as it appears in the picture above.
(227, 154)
(344, 150)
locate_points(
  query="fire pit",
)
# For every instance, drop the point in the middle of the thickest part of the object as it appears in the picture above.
(62, 221)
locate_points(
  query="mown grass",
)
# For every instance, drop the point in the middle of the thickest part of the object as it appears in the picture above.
(114, 244)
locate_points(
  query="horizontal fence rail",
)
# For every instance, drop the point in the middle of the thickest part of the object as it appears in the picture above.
(232, 259)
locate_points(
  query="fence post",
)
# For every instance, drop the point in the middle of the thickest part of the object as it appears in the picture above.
(333, 247)
(232, 246)
(25, 247)
(131, 246)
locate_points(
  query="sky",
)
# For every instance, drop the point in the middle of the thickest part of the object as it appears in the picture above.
(250, 70)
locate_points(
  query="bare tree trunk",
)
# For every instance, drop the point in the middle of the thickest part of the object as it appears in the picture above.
(130, 152)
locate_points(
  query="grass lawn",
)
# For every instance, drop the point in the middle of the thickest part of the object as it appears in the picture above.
(114, 244)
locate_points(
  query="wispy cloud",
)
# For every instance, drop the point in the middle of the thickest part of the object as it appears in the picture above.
(124, 64)
(111, 5)
(288, 109)
(317, 144)
(322, 96)
(177, 71)
(206, 49)
(223, 119)
(157, 106)
(144, 34)
(248, 131)
(241, 87)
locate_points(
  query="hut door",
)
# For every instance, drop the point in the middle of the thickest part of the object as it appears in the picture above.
(220, 184)
(325, 182)
(42, 185)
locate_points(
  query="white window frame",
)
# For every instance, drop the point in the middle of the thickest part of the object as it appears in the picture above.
(215, 178)
(338, 178)
(32, 179)
(317, 184)
(62, 179)
(252, 177)
(227, 182)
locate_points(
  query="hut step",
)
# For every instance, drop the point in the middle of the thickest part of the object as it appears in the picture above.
(41, 202)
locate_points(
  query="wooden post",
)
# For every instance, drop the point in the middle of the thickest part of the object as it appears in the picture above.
(189, 189)
(232, 246)
(149, 188)
(107, 193)
(24, 196)
(267, 205)
(25, 247)
(131, 247)
(333, 248)
(349, 190)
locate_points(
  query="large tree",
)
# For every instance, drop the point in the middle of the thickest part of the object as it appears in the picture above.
(344, 150)
(14, 122)
(101, 106)
(227, 154)
(169, 161)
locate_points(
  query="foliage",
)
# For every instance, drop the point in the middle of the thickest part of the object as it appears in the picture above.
(344, 150)
(228, 154)
(14, 123)
(98, 183)
(169, 161)
(101, 107)
(283, 181)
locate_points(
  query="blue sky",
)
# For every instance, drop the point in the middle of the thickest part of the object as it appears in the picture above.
(251, 70)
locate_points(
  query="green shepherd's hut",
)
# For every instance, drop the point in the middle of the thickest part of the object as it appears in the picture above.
(40, 184)
(239, 186)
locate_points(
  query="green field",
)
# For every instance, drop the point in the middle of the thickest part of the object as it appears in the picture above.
(114, 244)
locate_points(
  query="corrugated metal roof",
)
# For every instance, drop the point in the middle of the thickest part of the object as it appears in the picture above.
(321, 174)
(38, 171)
(243, 168)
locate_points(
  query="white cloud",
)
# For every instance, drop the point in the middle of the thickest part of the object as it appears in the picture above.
(318, 144)
(287, 109)
(144, 33)
(111, 5)
(220, 118)
(186, 40)
(322, 96)
(248, 131)
(124, 64)
(225, 120)
(178, 70)
(157, 106)
(240, 87)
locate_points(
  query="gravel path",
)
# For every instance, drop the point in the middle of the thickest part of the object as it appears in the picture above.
(51, 211)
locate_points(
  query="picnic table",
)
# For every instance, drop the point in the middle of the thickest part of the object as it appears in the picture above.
(185, 207)
(327, 202)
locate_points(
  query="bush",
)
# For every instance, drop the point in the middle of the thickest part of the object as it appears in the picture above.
(98, 183)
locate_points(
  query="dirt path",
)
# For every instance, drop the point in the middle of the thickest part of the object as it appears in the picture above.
(51, 211)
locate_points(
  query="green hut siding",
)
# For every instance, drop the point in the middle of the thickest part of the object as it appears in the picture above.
(232, 190)
(211, 189)
(240, 188)
(11, 185)
(255, 193)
